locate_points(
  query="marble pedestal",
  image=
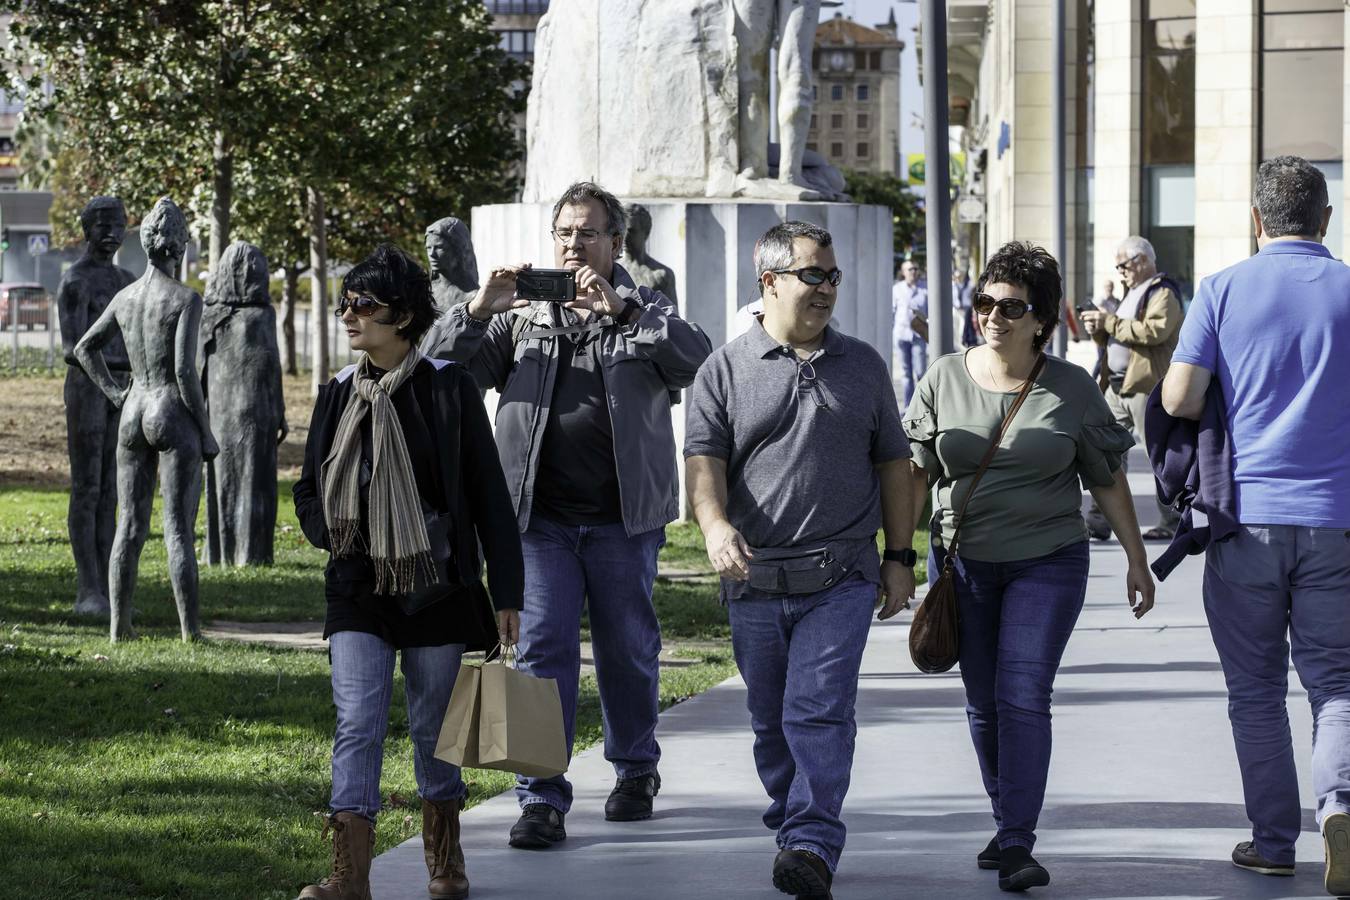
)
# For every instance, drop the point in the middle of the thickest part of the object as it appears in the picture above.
(709, 246)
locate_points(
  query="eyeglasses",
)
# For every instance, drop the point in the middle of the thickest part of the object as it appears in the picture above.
(813, 275)
(585, 235)
(363, 305)
(1127, 264)
(806, 381)
(1009, 307)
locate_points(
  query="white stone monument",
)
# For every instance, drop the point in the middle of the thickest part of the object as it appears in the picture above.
(645, 100)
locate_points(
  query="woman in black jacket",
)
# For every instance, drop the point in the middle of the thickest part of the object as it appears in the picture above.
(401, 484)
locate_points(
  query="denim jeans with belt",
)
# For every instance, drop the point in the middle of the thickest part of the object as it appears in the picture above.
(799, 655)
(1263, 584)
(1016, 618)
(601, 569)
(363, 682)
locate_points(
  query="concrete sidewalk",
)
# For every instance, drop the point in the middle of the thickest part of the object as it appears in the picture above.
(1144, 799)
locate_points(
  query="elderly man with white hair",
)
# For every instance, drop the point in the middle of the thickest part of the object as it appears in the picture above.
(1139, 338)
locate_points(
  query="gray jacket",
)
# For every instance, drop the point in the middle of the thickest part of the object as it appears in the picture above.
(641, 365)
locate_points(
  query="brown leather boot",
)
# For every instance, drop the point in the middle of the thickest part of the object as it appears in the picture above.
(353, 844)
(440, 846)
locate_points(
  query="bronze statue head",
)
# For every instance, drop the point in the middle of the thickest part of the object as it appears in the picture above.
(164, 233)
(241, 278)
(450, 253)
(104, 222)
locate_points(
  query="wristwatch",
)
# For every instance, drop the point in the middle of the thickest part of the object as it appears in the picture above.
(906, 557)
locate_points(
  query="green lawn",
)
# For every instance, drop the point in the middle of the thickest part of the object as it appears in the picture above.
(158, 769)
(155, 769)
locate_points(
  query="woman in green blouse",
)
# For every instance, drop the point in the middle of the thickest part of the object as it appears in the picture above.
(1021, 572)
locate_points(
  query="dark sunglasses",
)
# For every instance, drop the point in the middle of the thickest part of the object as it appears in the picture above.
(363, 305)
(813, 275)
(1011, 308)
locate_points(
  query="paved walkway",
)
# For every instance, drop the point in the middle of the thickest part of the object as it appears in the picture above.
(1144, 799)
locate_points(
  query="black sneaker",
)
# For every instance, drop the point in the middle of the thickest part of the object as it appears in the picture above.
(802, 873)
(1336, 836)
(1099, 532)
(631, 799)
(1018, 870)
(990, 856)
(1246, 857)
(540, 826)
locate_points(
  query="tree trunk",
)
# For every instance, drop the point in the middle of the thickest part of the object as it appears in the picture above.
(222, 176)
(290, 288)
(318, 286)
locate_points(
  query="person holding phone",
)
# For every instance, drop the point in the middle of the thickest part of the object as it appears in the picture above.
(401, 480)
(586, 439)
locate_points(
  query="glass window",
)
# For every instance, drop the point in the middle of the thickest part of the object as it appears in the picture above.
(864, 150)
(1302, 32)
(874, 60)
(862, 92)
(859, 59)
(862, 121)
(1279, 6)
(815, 92)
(811, 145)
(1301, 104)
(1171, 9)
(836, 121)
(836, 92)
(1169, 92)
(837, 149)
(813, 121)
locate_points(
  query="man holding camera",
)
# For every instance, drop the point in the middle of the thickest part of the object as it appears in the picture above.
(586, 441)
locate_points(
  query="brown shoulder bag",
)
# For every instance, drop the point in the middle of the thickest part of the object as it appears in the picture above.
(934, 634)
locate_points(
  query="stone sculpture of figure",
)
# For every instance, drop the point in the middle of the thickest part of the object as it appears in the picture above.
(241, 380)
(789, 26)
(164, 423)
(91, 420)
(637, 262)
(454, 273)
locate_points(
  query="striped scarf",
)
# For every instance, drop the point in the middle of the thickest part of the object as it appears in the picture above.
(398, 533)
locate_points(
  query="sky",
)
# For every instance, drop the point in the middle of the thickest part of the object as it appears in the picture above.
(874, 12)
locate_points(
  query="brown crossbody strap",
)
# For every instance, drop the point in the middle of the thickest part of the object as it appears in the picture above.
(993, 448)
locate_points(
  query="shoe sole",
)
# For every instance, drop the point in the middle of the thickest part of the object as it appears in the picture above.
(799, 879)
(1336, 837)
(1030, 877)
(1283, 871)
(637, 818)
(986, 864)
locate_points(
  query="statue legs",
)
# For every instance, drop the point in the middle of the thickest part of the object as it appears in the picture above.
(136, 464)
(754, 31)
(180, 483)
(797, 19)
(91, 441)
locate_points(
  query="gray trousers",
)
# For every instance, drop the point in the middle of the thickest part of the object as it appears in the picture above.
(1265, 583)
(1129, 413)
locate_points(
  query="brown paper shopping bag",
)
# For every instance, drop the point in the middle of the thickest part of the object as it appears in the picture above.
(458, 742)
(520, 725)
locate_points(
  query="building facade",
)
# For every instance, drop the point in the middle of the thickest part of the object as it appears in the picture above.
(1171, 106)
(855, 123)
(514, 22)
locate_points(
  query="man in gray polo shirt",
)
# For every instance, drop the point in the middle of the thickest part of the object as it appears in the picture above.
(795, 457)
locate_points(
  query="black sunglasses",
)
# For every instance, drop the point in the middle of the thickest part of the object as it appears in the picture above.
(363, 305)
(813, 275)
(1010, 307)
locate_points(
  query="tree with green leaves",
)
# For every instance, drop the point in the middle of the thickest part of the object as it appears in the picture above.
(388, 113)
(884, 189)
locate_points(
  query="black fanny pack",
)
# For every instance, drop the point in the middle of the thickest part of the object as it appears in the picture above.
(795, 571)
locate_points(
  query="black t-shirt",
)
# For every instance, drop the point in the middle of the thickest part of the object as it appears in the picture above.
(353, 604)
(577, 482)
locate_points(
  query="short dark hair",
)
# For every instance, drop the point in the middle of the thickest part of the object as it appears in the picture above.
(1031, 267)
(395, 278)
(775, 251)
(1291, 195)
(616, 220)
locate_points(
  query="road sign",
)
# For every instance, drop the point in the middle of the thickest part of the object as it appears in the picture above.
(37, 244)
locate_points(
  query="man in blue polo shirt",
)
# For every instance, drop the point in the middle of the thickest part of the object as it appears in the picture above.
(1275, 330)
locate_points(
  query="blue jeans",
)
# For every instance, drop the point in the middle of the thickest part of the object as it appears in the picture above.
(1016, 618)
(603, 570)
(913, 361)
(363, 681)
(1264, 583)
(799, 655)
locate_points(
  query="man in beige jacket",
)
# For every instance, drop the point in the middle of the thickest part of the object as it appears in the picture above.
(1139, 338)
